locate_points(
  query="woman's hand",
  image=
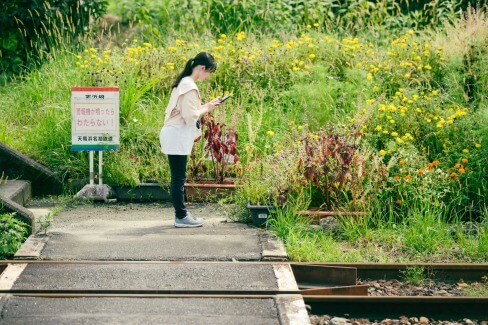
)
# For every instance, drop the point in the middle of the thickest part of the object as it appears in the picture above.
(213, 104)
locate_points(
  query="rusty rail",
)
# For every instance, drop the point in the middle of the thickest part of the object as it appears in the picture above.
(328, 288)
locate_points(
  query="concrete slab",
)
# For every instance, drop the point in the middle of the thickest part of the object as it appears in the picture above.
(10, 275)
(124, 310)
(121, 231)
(149, 276)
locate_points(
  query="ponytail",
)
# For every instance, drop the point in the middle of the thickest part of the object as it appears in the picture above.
(202, 58)
(185, 73)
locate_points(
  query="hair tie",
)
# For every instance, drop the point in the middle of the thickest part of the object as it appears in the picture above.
(192, 61)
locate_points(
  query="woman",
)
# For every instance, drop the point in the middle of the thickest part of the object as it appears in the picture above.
(180, 129)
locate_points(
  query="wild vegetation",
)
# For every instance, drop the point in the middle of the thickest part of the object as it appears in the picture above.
(358, 106)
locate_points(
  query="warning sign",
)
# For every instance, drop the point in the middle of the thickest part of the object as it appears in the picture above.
(95, 118)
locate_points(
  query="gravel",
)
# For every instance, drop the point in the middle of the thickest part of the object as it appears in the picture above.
(399, 288)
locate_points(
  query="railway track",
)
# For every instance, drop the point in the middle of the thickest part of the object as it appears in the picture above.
(328, 288)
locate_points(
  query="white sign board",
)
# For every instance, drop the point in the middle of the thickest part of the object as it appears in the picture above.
(95, 118)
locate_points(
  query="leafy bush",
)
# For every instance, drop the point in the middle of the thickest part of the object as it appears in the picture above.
(13, 233)
(31, 29)
(229, 16)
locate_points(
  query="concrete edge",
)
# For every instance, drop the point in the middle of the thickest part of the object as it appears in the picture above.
(16, 190)
(10, 275)
(44, 181)
(21, 213)
(291, 310)
(32, 247)
(273, 248)
(285, 278)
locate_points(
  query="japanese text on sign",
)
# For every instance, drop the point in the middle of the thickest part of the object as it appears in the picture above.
(95, 118)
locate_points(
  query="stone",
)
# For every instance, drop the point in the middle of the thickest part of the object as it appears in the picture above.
(339, 321)
(101, 192)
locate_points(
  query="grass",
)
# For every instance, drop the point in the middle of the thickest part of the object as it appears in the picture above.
(413, 103)
(477, 289)
(422, 238)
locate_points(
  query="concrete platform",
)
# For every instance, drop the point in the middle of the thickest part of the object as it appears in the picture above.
(121, 231)
(134, 311)
(128, 246)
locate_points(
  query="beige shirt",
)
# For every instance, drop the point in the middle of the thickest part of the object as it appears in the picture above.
(179, 131)
(186, 110)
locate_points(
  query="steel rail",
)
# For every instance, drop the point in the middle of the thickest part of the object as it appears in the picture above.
(372, 307)
(351, 306)
(148, 295)
(440, 271)
(174, 292)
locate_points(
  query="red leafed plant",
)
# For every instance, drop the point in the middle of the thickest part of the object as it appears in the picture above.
(331, 165)
(220, 145)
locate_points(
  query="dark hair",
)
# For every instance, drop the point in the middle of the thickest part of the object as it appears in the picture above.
(203, 58)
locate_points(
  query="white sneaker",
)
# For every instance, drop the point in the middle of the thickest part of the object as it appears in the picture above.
(188, 222)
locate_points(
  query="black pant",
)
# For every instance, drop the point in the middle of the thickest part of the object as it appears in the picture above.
(177, 166)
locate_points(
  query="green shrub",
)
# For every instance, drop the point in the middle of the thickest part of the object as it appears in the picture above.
(12, 234)
(32, 29)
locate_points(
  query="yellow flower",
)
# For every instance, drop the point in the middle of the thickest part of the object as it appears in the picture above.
(394, 134)
(464, 160)
(378, 128)
(312, 56)
(465, 151)
(478, 145)
(270, 133)
(401, 162)
(382, 152)
(240, 36)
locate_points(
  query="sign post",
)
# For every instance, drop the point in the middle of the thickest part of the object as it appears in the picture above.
(95, 127)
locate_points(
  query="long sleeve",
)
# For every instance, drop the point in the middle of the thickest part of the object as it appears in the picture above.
(190, 107)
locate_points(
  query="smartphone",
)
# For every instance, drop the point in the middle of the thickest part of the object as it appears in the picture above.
(223, 99)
